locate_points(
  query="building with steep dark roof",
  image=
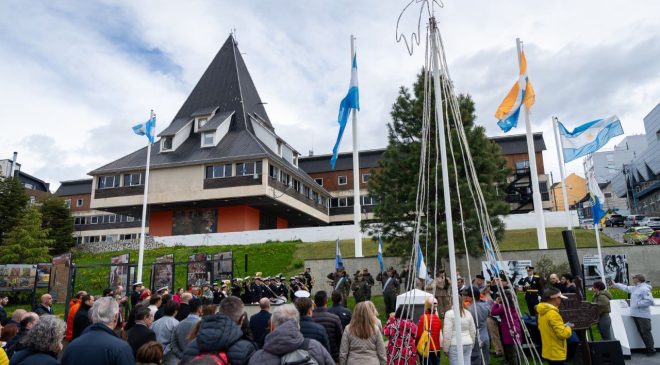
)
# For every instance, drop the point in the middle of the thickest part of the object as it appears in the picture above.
(218, 166)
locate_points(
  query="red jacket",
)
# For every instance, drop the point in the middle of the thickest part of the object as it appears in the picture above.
(434, 324)
(73, 309)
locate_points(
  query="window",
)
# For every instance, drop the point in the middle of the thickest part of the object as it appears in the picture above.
(285, 178)
(129, 219)
(296, 185)
(342, 180)
(67, 203)
(28, 186)
(166, 144)
(80, 220)
(305, 190)
(522, 164)
(202, 122)
(218, 171)
(207, 139)
(107, 182)
(248, 168)
(315, 196)
(342, 202)
(368, 200)
(133, 179)
(608, 195)
(319, 181)
(112, 218)
(79, 203)
(33, 200)
(94, 219)
(273, 171)
(365, 178)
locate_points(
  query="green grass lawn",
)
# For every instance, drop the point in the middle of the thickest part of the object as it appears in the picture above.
(525, 239)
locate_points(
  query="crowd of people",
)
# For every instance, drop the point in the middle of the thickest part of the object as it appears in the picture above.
(210, 325)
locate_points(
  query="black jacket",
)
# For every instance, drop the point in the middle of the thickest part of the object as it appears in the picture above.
(314, 331)
(259, 326)
(28, 357)
(139, 335)
(15, 344)
(41, 309)
(98, 345)
(135, 298)
(81, 320)
(343, 313)
(3, 316)
(332, 326)
(183, 312)
(218, 333)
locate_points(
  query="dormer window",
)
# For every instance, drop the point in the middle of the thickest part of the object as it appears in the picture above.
(202, 122)
(208, 139)
(166, 144)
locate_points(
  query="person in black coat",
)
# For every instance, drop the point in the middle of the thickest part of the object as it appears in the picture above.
(25, 325)
(46, 305)
(140, 333)
(308, 327)
(337, 308)
(135, 295)
(3, 313)
(222, 333)
(329, 321)
(43, 343)
(260, 322)
(184, 307)
(99, 345)
(81, 320)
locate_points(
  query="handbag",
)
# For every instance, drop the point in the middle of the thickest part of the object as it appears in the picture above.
(425, 340)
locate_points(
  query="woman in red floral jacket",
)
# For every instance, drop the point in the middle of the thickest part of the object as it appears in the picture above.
(402, 333)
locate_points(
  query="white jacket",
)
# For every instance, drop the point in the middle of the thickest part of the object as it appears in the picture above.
(468, 330)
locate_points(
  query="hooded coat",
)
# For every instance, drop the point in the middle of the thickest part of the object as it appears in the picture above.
(553, 332)
(284, 339)
(218, 333)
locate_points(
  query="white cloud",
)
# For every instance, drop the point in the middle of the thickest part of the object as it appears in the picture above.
(81, 74)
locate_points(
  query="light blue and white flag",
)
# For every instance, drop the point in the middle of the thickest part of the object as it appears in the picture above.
(597, 197)
(422, 272)
(380, 255)
(339, 263)
(349, 102)
(147, 128)
(589, 137)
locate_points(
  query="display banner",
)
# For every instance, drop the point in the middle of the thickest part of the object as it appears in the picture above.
(59, 277)
(162, 272)
(198, 272)
(515, 270)
(222, 266)
(615, 266)
(19, 277)
(119, 271)
(43, 274)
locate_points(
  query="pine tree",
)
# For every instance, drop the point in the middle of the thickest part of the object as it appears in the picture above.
(395, 184)
(27, 243)
(56, 217)
(13, 200)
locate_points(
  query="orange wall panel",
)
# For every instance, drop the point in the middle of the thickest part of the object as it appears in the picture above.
(238, 218)
(282, 223)
(160, 223)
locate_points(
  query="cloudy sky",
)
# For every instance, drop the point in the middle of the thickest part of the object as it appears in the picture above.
(76, 75)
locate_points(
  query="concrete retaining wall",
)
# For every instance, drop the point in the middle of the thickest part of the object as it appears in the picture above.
(528, 220)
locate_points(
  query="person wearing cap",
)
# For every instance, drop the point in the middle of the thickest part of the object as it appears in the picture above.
(309, 281)
(531, 285)
(366, 275)
(602, 299)
(554, 332)
(257, 289)
(480, 311)
(641, 299)
(137, 291)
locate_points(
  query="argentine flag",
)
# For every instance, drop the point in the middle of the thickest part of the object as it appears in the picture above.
(349, 102)
(380, 255)
(597, 197)
(422, 272)
(146, 129)
(589, 137)
(521, 93)
(339, 263)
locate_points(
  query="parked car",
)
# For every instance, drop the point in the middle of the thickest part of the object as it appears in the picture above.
(587, 224)
(633, 220)
(615, 220)
(655, 238)
(637, 235)
(653, 222)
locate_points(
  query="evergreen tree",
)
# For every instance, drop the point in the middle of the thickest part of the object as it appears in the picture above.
(395, 184)
(27, 243)
(13, 200)
(56, 217)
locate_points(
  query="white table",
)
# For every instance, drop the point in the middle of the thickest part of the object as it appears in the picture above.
(624, 329)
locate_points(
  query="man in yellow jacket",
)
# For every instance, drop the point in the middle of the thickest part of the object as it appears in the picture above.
(554, 331)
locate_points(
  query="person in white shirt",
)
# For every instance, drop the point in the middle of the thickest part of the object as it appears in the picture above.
(468, 334)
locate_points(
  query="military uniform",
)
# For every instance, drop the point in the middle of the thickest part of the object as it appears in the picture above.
(370, 282)
(390, 290)
(360, 288)
(532, 286)
(343, 284)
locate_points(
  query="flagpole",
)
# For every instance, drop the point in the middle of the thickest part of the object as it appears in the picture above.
(357, 218)
(562, 172)
(531, 151)
(445, 186)
(144, 209)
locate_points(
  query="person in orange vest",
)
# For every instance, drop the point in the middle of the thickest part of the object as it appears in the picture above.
(73, 309)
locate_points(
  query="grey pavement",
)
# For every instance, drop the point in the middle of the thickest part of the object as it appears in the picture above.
(641, 359)
(616, 233)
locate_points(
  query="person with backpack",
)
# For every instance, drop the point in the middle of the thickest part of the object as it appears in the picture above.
(285, 344)
(220, 336)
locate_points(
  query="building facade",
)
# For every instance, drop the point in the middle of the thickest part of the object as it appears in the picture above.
(34, 187)
(576, 188)
(218, 167)
(607, 164)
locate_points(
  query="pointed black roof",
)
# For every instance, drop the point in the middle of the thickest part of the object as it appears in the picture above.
(226, 85)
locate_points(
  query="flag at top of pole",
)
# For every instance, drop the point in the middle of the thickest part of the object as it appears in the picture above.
(589, 137)
(521, 93)
(339, 263)
(380, 255)
(147, 128)
(350, 102)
